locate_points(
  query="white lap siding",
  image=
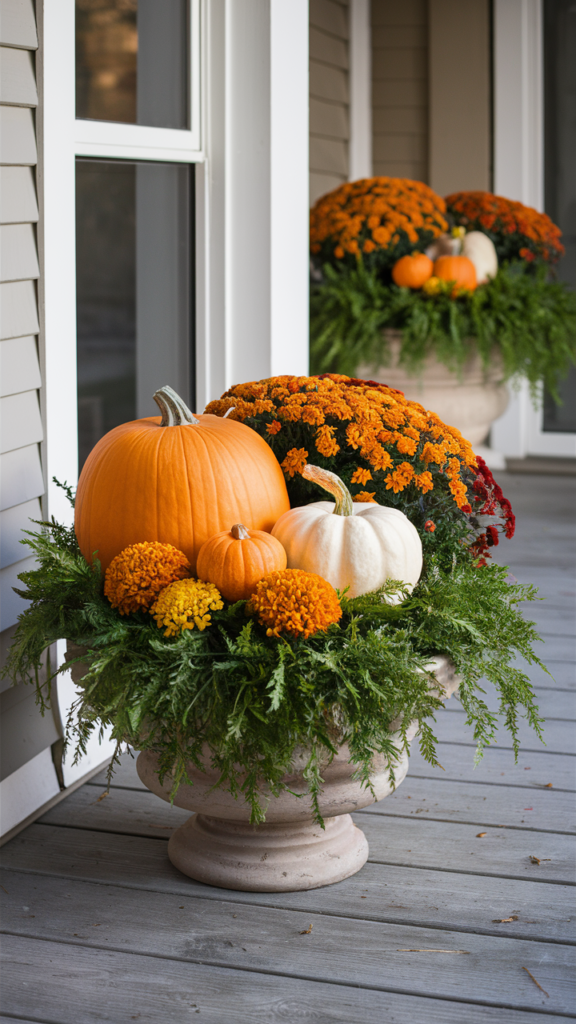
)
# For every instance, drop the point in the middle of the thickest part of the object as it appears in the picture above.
(27, 773)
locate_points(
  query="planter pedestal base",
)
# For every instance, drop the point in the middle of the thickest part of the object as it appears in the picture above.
(283, 857)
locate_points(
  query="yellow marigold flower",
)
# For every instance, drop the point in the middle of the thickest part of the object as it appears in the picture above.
(295, 602)
(274, 427)
(458, 491)
(366, 496)
(295, 461)
(136, 576)
(186, 604)
(361, 476)
(424, 481)
(325, 443)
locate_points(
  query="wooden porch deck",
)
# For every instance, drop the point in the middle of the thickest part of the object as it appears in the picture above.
(464, 912)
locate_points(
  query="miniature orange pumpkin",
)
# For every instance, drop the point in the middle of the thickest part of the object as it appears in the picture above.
(177, 480)
(237, 559)
(459, 269)
(412, 271)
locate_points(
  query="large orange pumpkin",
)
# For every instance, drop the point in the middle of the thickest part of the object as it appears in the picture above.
(412, 271)
(459, 269)
(177, 480)
(236, 560)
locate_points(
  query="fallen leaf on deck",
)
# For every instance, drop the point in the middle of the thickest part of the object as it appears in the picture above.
(535, 860)
(504, 920)
(480, 835)
(464, 952)
(307, 930)
(5, 890)
(536, 982)
(102, 795)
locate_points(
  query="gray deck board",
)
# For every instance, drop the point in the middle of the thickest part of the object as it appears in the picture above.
(86, 986)
(101, 927)
(381, 892)
(345, 950)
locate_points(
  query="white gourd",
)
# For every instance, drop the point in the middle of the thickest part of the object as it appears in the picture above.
(480, 250)
(358, 545)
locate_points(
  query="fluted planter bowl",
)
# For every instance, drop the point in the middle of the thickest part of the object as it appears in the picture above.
(219, 846)
(470, 401)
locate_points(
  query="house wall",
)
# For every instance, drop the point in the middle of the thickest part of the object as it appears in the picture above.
(329, 95)
(26, 734)
(400, 106)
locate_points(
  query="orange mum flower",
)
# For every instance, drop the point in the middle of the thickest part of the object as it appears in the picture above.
(295, 602)
(140, 572)
(366, 496)
(295, 461)
(347, 420)
(361, 476)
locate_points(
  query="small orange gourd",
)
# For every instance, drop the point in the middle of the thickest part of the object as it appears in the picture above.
(237, 559)
(412, 271)
(459, 269)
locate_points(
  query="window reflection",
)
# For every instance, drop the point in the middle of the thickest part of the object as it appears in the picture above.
(131, 61)
(134, 291)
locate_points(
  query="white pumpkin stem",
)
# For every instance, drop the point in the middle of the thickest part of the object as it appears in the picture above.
(240, 532)
(175, 412)
(332, 483)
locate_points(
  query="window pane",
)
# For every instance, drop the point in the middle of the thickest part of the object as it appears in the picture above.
(560, 169)
(134, 291)
(132, 61)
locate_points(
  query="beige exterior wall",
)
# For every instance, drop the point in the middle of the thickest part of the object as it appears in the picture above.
(329, 95)
(400, 88)
(460, 100)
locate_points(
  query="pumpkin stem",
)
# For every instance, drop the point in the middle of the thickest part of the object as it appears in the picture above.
(175, 412)
(332, 483)
(240, 532)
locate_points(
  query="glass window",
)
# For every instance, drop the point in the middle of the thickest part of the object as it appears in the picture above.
(134, 290)
(132, 61)
(560, 169)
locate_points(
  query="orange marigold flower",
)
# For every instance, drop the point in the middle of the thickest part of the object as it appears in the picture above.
(400, 478)
(140, 572)
(274, 427)
(311, 414)
(406, 445)
(361, 476)
(325, 443)
(367, 496)
(295, 461)
(354, 435)
(295, 602)
(434, 453)
(424, 481)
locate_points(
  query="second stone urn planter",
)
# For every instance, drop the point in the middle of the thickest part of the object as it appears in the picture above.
(220, 847)
(470, 401)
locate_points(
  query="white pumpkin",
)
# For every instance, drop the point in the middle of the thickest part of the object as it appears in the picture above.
(480, 250)
(358, 545)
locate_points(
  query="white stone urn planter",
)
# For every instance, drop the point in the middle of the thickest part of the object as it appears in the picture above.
(220, 847)
(471, 402)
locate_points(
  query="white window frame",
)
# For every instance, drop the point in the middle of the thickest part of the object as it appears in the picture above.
(519, 174)
(62, 137)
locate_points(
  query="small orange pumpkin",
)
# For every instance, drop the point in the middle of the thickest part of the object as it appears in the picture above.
(459, 269)
(412, 271)
(237, 559)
